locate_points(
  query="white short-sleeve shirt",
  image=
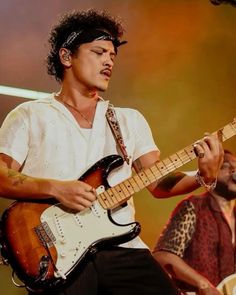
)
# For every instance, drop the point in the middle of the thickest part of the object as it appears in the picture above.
(45, 138)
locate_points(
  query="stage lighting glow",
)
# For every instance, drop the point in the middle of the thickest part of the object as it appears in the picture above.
(19, 92)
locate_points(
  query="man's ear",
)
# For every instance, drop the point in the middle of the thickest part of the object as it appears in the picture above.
(65, 57)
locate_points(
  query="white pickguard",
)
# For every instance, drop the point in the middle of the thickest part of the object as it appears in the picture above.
(74, 233)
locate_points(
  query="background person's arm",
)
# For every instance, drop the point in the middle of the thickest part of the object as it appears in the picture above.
(180, 270)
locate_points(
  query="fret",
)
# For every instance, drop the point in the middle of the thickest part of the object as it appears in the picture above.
(104, 199)
(116, 194)
(175, 161)
(109, 198)
(134, 184)
(138, 181)
(155, 171)
(112, 197)
(180, 161)
(120, 191)
(129, 186)
(161, 168)
(144, 178)
(169, 165)
(124, 190)
(224, 134)
(233, 125)
(183, 156)
(191, 155)
(150, 175)
(231, 132)
(101, 201)
(230, 129)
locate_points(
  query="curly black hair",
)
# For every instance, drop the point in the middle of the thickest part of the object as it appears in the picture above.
(72, 22)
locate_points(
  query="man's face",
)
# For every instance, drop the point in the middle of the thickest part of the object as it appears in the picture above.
(226, 184)
(93, 63)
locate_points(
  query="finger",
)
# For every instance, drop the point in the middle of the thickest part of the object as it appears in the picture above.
(84, 202)
(206, 146)
(212, 144)
(199, 149)
(199, 152)
(91, 190)
(220, 135)
(89, 193)
(91, 197)
(79, 208)
(220, 138)
(214, 140)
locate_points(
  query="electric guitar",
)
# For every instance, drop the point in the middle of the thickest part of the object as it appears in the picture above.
(227, 286)
(45, 243)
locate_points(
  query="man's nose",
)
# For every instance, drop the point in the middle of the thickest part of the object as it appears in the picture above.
(234, 175)
(108, 62)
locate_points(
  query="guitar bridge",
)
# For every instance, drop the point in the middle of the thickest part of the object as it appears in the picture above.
(44, 234)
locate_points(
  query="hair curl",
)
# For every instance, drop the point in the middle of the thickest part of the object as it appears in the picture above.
(75, 21)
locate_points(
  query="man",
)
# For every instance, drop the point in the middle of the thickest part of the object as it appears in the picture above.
(197, 247)
(62, 136)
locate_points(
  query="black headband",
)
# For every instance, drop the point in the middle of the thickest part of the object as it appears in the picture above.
(87, 36)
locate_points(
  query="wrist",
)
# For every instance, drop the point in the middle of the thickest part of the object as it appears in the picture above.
(203, 285)
(48, 188)
(209, 185)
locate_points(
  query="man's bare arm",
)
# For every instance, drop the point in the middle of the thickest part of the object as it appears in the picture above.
(73, 194)
(179, 269)
(178, 183)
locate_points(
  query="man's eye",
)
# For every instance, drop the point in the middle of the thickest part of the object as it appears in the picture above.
(225, 166)
(98, 52)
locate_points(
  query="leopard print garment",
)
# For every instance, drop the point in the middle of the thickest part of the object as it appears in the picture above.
(178, 232)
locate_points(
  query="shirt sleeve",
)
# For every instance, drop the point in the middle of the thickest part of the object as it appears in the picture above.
(143, 134)
(179, 230)
(14, 135)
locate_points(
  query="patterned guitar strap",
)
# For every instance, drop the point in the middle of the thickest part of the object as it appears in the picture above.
(116, 131)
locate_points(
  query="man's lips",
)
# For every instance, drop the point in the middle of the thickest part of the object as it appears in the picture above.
(106, 73)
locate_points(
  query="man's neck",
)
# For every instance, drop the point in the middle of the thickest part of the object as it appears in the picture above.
(78, 96)
(228, 208)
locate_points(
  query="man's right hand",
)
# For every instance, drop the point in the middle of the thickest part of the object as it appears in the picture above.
(74, 194)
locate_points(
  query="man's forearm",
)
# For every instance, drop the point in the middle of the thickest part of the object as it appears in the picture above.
(15, 185)
(174, 184)
(180, 270)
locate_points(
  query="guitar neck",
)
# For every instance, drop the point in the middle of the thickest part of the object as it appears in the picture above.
(120, 193)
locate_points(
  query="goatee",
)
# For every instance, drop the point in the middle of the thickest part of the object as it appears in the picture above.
(222, 190)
